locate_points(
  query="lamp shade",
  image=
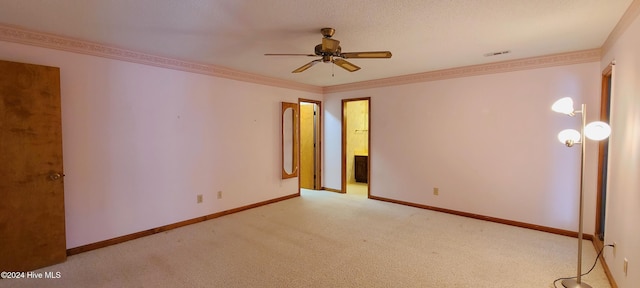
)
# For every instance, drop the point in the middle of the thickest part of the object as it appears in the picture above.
(597, 130)
(571, 135)
(564, 106)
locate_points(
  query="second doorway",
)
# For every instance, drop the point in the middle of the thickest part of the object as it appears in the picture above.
(355, 146)
(310, 144)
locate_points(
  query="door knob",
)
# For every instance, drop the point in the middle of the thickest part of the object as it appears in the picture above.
(55, 176)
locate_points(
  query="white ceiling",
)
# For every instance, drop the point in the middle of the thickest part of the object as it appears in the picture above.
(423, 35)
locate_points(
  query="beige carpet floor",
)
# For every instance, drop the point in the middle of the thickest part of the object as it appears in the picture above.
(325, 239)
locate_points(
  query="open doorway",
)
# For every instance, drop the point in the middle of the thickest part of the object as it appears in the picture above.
(355, 146)
(310, 144)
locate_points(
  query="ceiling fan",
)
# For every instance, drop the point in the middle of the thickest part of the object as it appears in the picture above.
(330, 51)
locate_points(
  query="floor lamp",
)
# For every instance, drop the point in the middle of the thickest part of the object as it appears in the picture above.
(595, 131)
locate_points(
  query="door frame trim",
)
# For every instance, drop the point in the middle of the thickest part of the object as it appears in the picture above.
(317, 184)
(344, 144)
(605, 113)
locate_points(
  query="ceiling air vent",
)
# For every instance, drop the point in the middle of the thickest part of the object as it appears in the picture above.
(497, 53)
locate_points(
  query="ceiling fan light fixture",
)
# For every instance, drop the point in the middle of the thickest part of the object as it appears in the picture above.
(330, 51)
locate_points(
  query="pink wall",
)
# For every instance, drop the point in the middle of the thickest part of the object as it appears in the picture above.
(623, 202)
(140, 142)
(487, 142)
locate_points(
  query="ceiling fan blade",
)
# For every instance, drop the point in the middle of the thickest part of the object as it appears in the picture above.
(370, 54)
(289, 54)
(306, 66)
(330, 45)
(346, 65)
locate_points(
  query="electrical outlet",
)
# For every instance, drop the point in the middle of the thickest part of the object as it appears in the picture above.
(219, 194)
(626, 265)
(199, 198)
(436, 191)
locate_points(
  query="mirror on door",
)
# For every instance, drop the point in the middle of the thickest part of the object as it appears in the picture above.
(289, 140)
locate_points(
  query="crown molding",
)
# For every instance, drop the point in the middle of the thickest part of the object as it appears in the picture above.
(584, 56)
(28, 37)
(627, 18)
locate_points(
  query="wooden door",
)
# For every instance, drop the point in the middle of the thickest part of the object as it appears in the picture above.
(307, 146)
(32, 227)
(603, 156)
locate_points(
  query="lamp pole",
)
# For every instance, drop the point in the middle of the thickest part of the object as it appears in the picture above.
(597, 131)
(577, 283)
